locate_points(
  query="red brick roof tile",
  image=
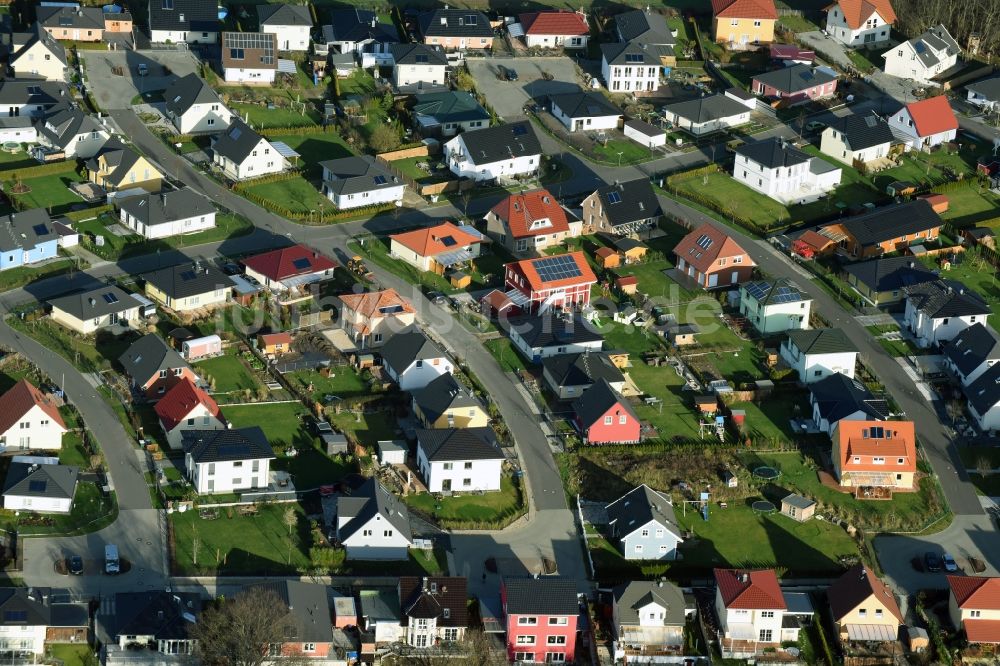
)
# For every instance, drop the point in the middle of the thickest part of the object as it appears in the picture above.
(856, 12)
(519, 211)
(932, 115)
(19, 400)
(180, 400)
(281, 264)
(754, 9)
(976, 592)
(554, 23)
(750, 590)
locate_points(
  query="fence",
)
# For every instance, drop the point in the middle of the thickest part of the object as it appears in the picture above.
(417, 151)
(966, 76)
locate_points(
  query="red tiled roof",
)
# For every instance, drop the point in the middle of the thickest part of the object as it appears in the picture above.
(856, 12)
(180, 400)
(518, 211)
(535, 281)
(815, 240)
(982, 631)
(268, 339)
(751, 590)
(605, 252)
(754, 9)
(554, 23)
(280, 264)
(703, 259)
(368, 304)
(853, 442)
(626, 280)
(431, 241)
(976, 592)
(932, 115)
(857, 586)
(21, 397)
(497, 301)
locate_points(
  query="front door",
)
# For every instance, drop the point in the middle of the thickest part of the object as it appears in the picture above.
(446, 486)
(713, 280)
(735, 277)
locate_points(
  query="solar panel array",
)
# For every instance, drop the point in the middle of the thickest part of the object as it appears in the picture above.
(614, 197)
(379, 180)
(233, 450)
(15, 616)
(239, 42)
(110, 298)
(551, 269)
(704, 241)
(235, 132)
(40, 229)
(758, 290)
(785, 295)
(37, 486)
(390, 309)
(518, 130)
(448, 241)
(633, 57)
(302, 263)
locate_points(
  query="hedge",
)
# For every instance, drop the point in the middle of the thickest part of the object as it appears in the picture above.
(240, 186)
(297, 130)
(65, 166)
(88, 213)
(279, 209)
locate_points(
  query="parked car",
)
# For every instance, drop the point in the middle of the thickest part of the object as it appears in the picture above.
(506, 73)
(142, 69)
(75, 565)
(932, 562)
(949, 563)
(815, 126)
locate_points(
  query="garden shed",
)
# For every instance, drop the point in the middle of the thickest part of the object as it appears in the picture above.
(798, 507)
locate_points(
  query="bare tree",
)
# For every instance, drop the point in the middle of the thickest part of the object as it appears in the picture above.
(241, 631)
(475, 649)
(983, 466)
(290, 519)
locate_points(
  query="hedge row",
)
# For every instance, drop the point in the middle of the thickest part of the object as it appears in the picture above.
(300, 216)
(65, 166)
(298, 130)
(242, 185)
(88, 213)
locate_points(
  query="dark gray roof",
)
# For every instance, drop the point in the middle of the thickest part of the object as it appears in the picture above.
(188, 280)
(643, 127)
(621, 53)
(632, 597)
(597, 400)
(988, 88)
(945, 298)
(184, 15)
(284, 14)
(417, 54)
(453, 106)
(548, 330)
(624, 243)
(237, 142)
(780, 290)
(837, 396)
(153, 209)
(821, 341)
(890, 273)
(501, 142)
(356, 174)
(863, 131)
(308, 606)
(455, 23)
(889, 222)
(704, 109)
(63, 123)
(206, 446)
(773, 153)
(155, 613)
(404, 348)
(798, 501)
(116, 155)
(972, 347)
(984, 392)
(795, 78)
(442, 598)
(187, 91)
(934, 44)
(31, 92)
(584, 105)
(31, 480)
(637, 508)
(95, 302)
(581, 369)
(147, 356)
(447, 444)
(369, 499)
(646, 27)
(23, 607)
(359, 25)
(545, 595)
(84, 18)
(441, 394)
(25, 230)
(633, 200)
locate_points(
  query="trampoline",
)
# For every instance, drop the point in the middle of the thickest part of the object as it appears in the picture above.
(767, 473)
(763, 506)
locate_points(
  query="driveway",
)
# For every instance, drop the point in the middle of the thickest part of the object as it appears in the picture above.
(826, 48)
(508, 97)
(114, 91)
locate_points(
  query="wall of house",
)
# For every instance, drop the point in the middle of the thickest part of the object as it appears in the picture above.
(536, 354)
(460, 42)
(530, 642)
(198, 419)
(720, 275)
(874, 30)
(648, 141)
(832, 144)
(584, 124)
(181, 227)
(935, 331)
(754, 617)
(623, 428)
(989, 419)
(657, 544)
(228, 476)
(455, 155)
(262, 161)
(34, 431)
(290, 37)
(813, 367)
(162, 36)
(825, 425)
(209, 117)
(26, 134)
(408, 75)
(84, 146)
(465, 417)
(712, 125)
(38, 63)
(463, 475)
(207, 299)
(421, 373)
(37, 505)
(871, 611)
(23, 638)
(249, 75)
(980, 100)
(902, 121)
(742, 33)
(640, 79)
(381, 327)
(116, 24)
(384, 543)
(90, 325)
(556, 41)
(798, 96)
(902, 62)
(142, 174)
(77, 34)
(347, 201)
(776, 317)
(155, 387)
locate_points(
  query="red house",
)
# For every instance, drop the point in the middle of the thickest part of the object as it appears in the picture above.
(290, 267)
(561, 281)
(541, 618)
(712, 259)
(603, 416)
(795, 84)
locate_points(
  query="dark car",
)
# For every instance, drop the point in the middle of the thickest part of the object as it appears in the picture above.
(932, 562)
(506, 73)
(76, 565)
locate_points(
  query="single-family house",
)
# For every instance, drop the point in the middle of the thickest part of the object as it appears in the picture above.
(704, 115)
(743, 24)
(795, 84)
(817, 353)
(860, 22)
(857, 139)
(89, 311)
(602, 416)
(530, 222)
(643, 525)
(29, 420)
(873, 455)
(289, 268)
(973, 351)
(304, 611)
(357, 30)
(648, 618)
(37, 55)
(632, 67)
(27, 237)
(555, 282)
(621, 209)
(459, 29)
(569, 375)
(359, 180)
(445, 403)
(167, 214)
(555, 28)
(153, 367)
(373, 524)
(437, 248)
(67, 130)
(29, 98)
(886, 229)
(227, 460)
(448, 112)
(152, 622)
(984, 93)
(274, 344)
(712, 259)
(880, 281)
(541, 336)
(241, 153)
(983, 398)
(864, 608)
(541, 619)
(434, 610)
(117, 22)
(194, 107)
(190, 21)
(121, 169)
(188, 286)
(751, 610)
(938, 311)
(779, 170)
(370, 318)
(925, 123)
(25, 617)
(290, 24)
(412, 360)
(774, 305)
(974, 607)
(838, 397)
(644, 133)
(501, 153)
(186, 407)
(249, 58)
(417, 67)
(584, 111)
(39, 485)
(924, 57)
(78, 24)
(459, 460)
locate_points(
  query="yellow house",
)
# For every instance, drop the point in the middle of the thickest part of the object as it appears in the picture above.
(188, 287)
(444, 403)
(974, 606)
(118, 167)
(743, 24)
(863, 607)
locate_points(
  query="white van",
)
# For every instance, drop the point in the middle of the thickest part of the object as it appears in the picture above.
(111, 563)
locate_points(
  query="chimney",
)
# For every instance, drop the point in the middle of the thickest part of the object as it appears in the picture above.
(92, 301)
(744, 577)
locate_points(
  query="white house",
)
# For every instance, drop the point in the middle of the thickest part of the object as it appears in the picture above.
(29, 420)
(89, 311)
(360, 180)
(39, 485)
(290, 24)
(627, 67)
(373, 524)
(194, 108)
(649, 618)
(448, 112)
(242, 153)
(179, 21)
(418, 66)
(289, 268)
(72, 132)
(167, 214)
(250, 58)
(973, 351)
(227, 461)
(837, 398)
(549, 335)
(983, 398)
(437, 248)
(499, 153)
(644, 133)
(186, 407)
(817, 353)
(925, 124)
(459, 460)
(923, 57)
(643, 525)
(783, 172)
(938, 311)
(751, 609)
(985, 93)
(774, 305)
(555, 28)
(855, 23)
(37, 55)
(411, 360)
(585, 111)
(703, 115)
(857, 138)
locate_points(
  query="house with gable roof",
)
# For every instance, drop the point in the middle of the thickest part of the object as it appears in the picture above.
(373, 524)
(838, 397)
(187, 407)
(886, 229)
(305, 611)
(857, 138)
(68, 130)
(938, 311)
(643, 525)
(779, 170)
(869, 456)
(27, 237)
(529, 222)
(453, 29)
(570, 375)
(191, 21)
(649, 619)
(289, 268)
(230, 460)
(121, 170)
(603, 416)
(167, 213)
(29, 420)
(974, 607)
(555, 282)
(712, 259)
(864, 608)
(153, 367)
(984, 93)
(445, 403)
(417, 67)
(751, 610)
(501, 153)
(555, 28)
(539, 337)
(359, 180)
(860, 22)
(412, 360)
(188, 286)
(437, 248)
(972, 352)
(291, 25)
(923, 57)
(90, 311)
(743, 24)
(459, 460)
(541, 619)
(584, 111)
(81, 24)
(194, 107)
(622, 208)
(150, 621)
(357, 30)
(36, 54)
(434, 609)
(372, 317)
(982, 397)
(880, 281)
(925, 123)
(449, 112)
(704, 115)
(775, 305)
(242, 153)
(39, 485)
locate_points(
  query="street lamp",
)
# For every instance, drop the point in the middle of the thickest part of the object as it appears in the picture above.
(620, 157)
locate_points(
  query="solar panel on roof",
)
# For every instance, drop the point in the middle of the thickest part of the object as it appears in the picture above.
(614, 197)
(758, 290)
(110, 298)
(15, 616)
(37, 486)
(633, 57)
(379, 180)
(187, 275)
(785, 295)
(233, 450)
(518, 130)
(704, 241)
(40, 229)
(470, 19)
(302, 263)
(870, 121)
(551, 269)
(390, 309)
(235, 132)
(448, 241)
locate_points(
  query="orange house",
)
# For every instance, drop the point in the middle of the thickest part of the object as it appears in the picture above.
(274, 344)
(887, 229)
(712, 259)
(875, 455)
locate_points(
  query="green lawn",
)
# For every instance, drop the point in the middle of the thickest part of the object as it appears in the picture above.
(51, 192)
(261, 117)
(973, 205)
(120, 247)
(797, 24)
(72, 451)
(73, 655)
(296, 194)
(89, 354)
(865, 60)
(13, 278)
(343, 381)
(315, 148)
(284, 424)
(922, 167)
(436, 172)
(92, 510)
(630, 152)
(467, 510)
(982, 280)
(368, 429)
(231, 375)
(505, 354)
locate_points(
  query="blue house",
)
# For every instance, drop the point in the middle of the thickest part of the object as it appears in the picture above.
(643, 521)
(27, 238)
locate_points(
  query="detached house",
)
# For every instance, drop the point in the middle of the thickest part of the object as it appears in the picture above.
(184, 408)
(542, 336)
(151, 621)
(886, 229)
(29, 420)
(555, 28)
(783, 172)
(643, 521)
(359, 31)
(372, 317)
(241, 153)
(39, 485)
(795, 84)
(818, 353)
(89, 311)
(359, 180)
(569, 375)
(459, 29)
(459, 460)
(37, 55)
(774, 306)
(27, 237)
(649, 619)
(983, 398)
(501, 153)
(938, 311)
(167, 214)
(449, 112)
(249, 58)
(29, 98)
(864, 608)
(622, 209)
(153, 367)
(923, 57)
(290, 24)
(188, 286)
(751, 609)
(82, 24)
(926, 123)
(984, 93)
(556, 282)
(373, 524)
(743, 24)
(445, 404)
(860, 22)
(438, 248)
(194, 107)
(529, 222)
(881, 281)
(228, 460)
(434, 609)
(121, 170)
(972, 352)
(541, 619)
(841, 398)
(857, 139)
(67, 130)
(869, 456)
(704, 115)
(631, 67)
(417, 67)
(603, 416)
(305, 612)
(289, 268)
(974, 607)
(584, 111)
(712, 259)
(412, 361)
(190, 21)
